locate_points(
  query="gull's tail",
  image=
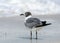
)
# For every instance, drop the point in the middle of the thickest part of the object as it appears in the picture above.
(44, 23)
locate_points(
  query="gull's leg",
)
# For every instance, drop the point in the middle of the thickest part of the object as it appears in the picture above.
(36, 33)
(31, 34)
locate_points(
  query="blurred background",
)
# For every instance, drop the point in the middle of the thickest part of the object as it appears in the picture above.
(37, 7)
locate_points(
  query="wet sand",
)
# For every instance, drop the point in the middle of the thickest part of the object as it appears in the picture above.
(12, 30)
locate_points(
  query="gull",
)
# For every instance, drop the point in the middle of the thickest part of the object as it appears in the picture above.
(33, 23)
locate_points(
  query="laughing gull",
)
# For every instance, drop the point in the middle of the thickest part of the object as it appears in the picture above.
(33, 23)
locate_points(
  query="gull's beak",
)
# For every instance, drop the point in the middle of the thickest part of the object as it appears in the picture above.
(21, 14)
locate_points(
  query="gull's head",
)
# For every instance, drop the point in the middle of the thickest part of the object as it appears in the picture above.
(26, 14)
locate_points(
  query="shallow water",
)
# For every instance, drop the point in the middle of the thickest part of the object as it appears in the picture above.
(12, 30)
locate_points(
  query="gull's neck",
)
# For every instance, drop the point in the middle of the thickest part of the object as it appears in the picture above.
(28, 17)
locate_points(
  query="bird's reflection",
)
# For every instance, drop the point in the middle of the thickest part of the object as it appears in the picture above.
(33, 41)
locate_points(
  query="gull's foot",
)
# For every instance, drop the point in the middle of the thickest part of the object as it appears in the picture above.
(36, 38)
(31, 38)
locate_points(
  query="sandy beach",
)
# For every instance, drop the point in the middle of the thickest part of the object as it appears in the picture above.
(12, 30)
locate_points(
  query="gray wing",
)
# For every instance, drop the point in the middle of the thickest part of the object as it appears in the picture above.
(32, 22)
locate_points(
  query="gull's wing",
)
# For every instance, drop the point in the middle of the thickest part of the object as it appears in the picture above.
(32, 22)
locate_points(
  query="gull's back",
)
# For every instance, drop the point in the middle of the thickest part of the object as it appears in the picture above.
(32, 22)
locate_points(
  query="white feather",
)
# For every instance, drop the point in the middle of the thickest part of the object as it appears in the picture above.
(27, 18)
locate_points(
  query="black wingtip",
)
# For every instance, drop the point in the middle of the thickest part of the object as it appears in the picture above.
(47, 24)
(44, 25)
